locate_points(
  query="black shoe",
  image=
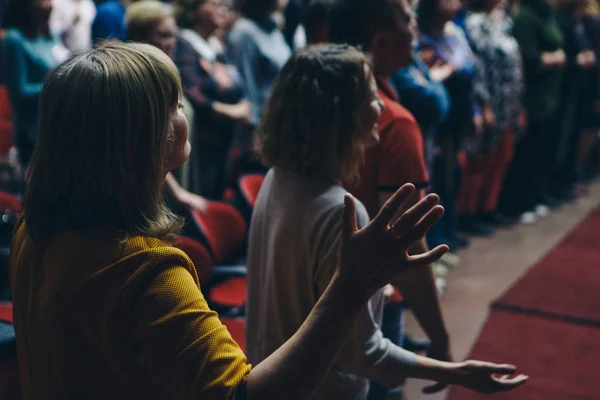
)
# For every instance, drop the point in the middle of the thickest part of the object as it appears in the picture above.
(472, 226)
(415, 345)
(495, 218)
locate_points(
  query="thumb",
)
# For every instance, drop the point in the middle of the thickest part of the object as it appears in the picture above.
(349, 225)
(435, 388)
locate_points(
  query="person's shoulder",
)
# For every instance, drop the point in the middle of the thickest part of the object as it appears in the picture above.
(108, 9)
(395, 113)
(243, 28)
(474, 19)
(13, 35)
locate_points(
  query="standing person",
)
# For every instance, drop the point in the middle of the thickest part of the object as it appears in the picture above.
(311, 145)
(152, 22)
(442, 41)
(73, 20)
(94, 244)
(259, 50)
(399, 157)
(541, 44)
(579, 122)
(499, 81)
(215, 90)
(30, 51)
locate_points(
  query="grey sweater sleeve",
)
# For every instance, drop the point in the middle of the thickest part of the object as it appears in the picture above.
(365, 352)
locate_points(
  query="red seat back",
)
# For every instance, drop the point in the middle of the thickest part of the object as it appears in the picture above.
(6, 138)
(250, 186)
(199, 256)
(6, 312)
(223, 227)
(10, 203)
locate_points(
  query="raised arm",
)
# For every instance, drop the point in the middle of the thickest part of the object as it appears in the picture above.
(299, 366)
(369, 258)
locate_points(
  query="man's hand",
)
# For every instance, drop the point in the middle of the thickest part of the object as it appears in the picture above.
(441, 71)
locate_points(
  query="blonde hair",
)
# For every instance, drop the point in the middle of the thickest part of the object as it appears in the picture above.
(103, 140)
(143, 17)
(309, 126)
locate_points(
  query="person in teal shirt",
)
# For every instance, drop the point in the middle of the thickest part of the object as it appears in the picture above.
(30, 50)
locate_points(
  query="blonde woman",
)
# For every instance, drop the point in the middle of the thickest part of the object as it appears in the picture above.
(104, 306)
(152, 22)
(321, 117)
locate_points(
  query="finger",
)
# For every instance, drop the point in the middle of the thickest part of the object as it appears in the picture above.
(349, 224)
(505, 369)
(505, 383)
(429, 257)
(389, 209)
(405, 222)
(436, 387)
(417, 231)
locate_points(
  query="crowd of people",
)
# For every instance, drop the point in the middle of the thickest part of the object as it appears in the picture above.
(491, 105)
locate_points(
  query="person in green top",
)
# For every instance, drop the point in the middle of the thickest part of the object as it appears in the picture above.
(541, 44)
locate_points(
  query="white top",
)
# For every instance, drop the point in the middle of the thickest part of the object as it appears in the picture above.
(292, 255)
(72, 19)
(202, 47)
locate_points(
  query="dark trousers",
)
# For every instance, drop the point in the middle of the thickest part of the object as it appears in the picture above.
(528, 177)
(210, 170)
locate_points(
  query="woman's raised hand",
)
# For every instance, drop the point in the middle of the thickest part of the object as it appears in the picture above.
(377, 254)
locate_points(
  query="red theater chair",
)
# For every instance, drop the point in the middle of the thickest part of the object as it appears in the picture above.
(248, 186)
(8, 202)
(224, 229)
(223, 286)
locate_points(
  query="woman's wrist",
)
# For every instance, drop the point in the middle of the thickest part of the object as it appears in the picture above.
(351, 288)
(439, 371)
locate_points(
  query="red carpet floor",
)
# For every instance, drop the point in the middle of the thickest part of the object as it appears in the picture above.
(566, 283)
(548, 323)
(560, 358)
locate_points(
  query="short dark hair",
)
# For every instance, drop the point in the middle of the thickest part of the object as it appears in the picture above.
(355, 21)
(315, 17)
(17, 14)
(255, 9)
(427, 11)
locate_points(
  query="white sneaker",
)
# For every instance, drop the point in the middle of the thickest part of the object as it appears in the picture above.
(528, 218)
(441, 285)
(440, 270)
(542, 210)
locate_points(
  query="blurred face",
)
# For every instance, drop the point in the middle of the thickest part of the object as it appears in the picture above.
(179, 149)
(164, 36)
(41, 10)
(210, 14)
(394, 47)
(368, 115)
(447, 9)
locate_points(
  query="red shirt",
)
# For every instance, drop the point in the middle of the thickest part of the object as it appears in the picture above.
(397, 159)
